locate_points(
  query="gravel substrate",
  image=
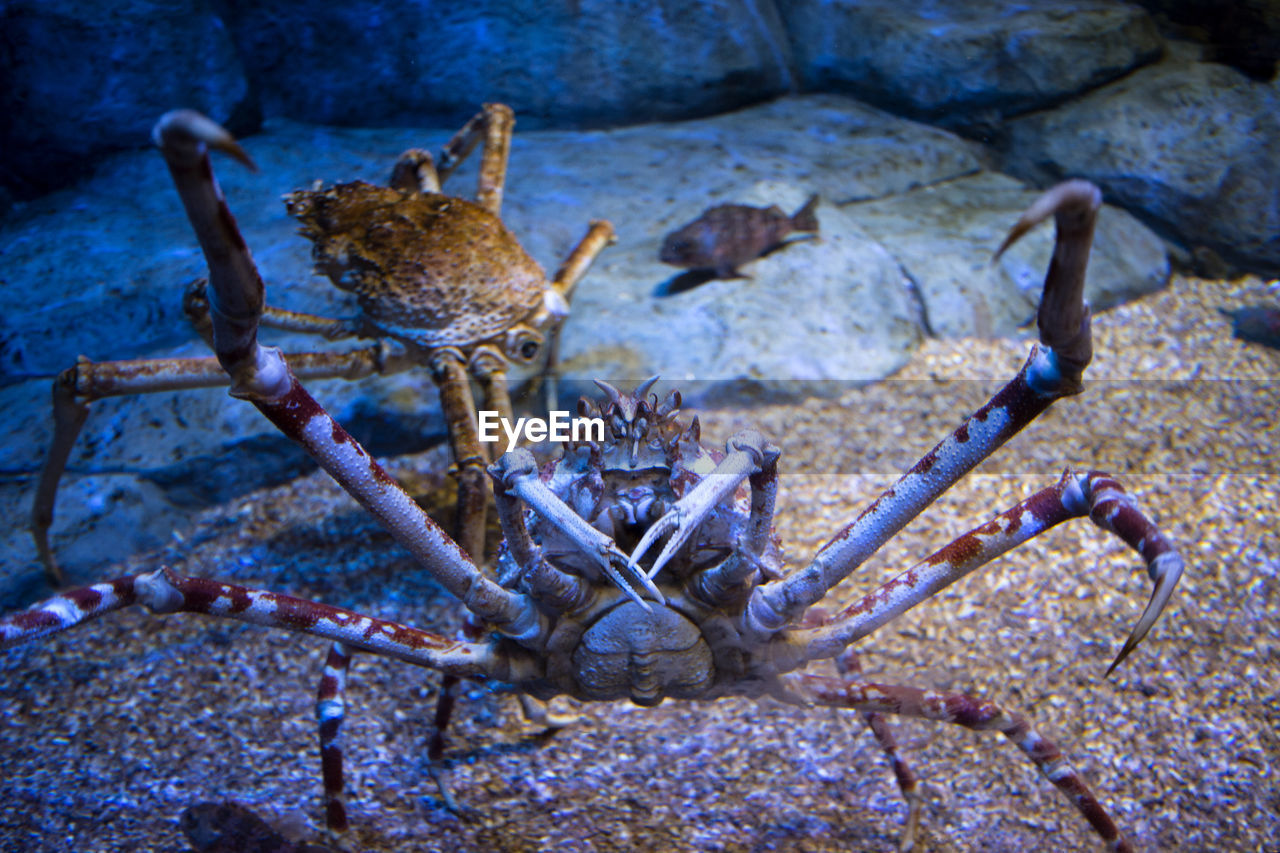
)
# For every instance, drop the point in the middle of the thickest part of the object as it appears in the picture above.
(109, 732)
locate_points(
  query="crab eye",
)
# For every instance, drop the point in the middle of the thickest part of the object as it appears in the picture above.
(524, 346)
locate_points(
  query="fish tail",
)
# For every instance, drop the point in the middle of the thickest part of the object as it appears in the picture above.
(805, 219)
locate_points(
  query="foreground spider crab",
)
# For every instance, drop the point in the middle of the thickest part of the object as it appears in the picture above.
(439, 280)
(714, 613)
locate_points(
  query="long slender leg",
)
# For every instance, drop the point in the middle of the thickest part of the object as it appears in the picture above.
(260, 375)
(435, 744)
(971, 713)
(195, 305)
(73, 390)
(449, 371)
(331, 709)
(69, 415)
(490, 370)
(850, 667)
(1054, 370)
(166, 591)
(451, 377)
(493, 125)
(78, 386)
(471, 631)
(599, 234)
(1094, 495)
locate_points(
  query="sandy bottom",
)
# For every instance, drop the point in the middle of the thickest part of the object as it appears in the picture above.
(109, 732)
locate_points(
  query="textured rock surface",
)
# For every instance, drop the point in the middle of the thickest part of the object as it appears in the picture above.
(560, 62)
(1193, 146)
(79, 80)
(965, 63)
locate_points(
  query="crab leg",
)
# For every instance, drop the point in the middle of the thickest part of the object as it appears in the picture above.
(78, 386)
(493, 125)
(973, 714)
(490, 370)
(261, 375)
(195, 305)
(166, 591)
(850, 667)
(1053, 370)
(1094, 495)
(599, 234)
(331, 710)
(449, 371)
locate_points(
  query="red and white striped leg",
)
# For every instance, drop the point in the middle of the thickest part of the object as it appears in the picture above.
(331, 709)
(971, 713)
(165, 591)
(1094, 495)
(850, 667)
(260, 374)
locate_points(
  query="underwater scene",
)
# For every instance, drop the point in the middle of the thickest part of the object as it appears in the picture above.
(740, 425)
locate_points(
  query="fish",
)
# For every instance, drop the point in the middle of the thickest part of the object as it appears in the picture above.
(728, 235)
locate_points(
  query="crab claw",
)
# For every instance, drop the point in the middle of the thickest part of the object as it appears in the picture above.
(746, 453)
(179, 127)
(1063, 318)
(669, 522)
(1165, 571)
(519, 474)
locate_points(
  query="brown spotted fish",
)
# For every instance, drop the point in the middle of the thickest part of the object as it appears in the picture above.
(728, 235)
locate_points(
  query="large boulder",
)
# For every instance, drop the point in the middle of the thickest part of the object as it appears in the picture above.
(1192, 147)
(410, 62)
(965, 63)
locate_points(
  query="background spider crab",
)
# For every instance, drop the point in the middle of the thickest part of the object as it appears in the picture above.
(714, 613)
(440, 281)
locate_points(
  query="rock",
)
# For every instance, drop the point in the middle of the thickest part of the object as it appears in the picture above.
(944, 235)
(410, 62)
(1192, 147)
(966, 64)
(81, 81)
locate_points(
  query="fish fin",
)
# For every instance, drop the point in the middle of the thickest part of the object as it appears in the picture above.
(728, 270)
(805, 219)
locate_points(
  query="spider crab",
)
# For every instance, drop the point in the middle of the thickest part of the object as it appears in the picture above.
(439, 281)
(580, 606)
